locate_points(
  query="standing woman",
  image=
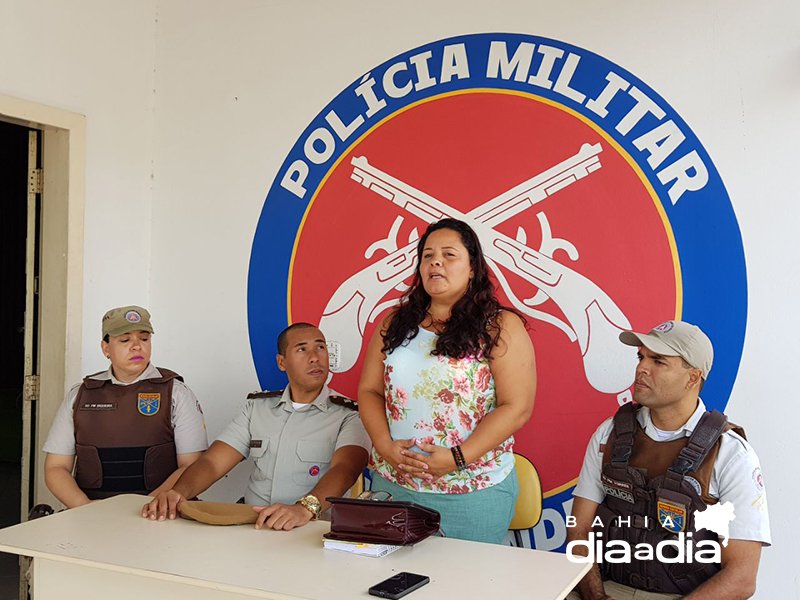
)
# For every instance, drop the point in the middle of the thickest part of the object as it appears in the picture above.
(448, 378)
(133, 428)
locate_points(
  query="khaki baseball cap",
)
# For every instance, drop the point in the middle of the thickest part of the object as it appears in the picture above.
(126, 319)
(676, 338)
(218, 513)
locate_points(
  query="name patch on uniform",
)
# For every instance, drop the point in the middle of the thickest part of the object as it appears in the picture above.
(99, 406)
(617, 489)
(255, 443)
(672, 516)
(149, 404)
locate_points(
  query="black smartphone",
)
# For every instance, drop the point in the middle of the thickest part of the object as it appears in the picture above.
(399, 585)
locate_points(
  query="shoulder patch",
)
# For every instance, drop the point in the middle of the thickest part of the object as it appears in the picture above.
(343, 401)
(265, 394)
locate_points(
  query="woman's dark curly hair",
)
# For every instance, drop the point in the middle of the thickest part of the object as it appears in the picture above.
(471, 329)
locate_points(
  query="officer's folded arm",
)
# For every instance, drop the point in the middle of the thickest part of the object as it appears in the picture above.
(347, 464)
(59, 480)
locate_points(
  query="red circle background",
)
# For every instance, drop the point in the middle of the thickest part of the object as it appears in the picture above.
(464, 150)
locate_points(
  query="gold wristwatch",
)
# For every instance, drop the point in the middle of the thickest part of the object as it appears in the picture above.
(312, 504)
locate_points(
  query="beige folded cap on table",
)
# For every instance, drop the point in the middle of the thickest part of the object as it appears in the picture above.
(218, 513)
(676, 338)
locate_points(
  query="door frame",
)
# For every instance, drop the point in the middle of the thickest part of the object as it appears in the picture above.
(61, 260)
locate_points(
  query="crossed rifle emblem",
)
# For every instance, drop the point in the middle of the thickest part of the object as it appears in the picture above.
(590, 316)
(149, 404)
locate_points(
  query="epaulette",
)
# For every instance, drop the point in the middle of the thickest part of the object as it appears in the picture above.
(266, 394)
(343, 401)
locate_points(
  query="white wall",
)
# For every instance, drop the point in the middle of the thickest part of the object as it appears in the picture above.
(96, 58)
(236, 83)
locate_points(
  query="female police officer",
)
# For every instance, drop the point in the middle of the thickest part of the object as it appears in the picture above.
(133, 428)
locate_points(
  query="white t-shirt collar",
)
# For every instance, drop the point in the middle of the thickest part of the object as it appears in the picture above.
(321, 401)
(646, 423)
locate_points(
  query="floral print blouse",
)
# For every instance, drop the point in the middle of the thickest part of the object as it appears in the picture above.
(441, 400)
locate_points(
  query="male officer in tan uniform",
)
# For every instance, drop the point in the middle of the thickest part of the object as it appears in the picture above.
(304, 443)
(666, 456)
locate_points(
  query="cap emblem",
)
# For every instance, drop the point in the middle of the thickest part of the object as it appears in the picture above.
(664, 327)
(133, 317)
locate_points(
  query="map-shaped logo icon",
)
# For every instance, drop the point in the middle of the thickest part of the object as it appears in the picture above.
(716, 518)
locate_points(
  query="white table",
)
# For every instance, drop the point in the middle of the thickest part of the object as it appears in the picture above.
(107, 550)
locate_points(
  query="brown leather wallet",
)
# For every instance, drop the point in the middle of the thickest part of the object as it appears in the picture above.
(381, 522)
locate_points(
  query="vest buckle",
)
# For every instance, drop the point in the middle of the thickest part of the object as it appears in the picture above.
(682, 465)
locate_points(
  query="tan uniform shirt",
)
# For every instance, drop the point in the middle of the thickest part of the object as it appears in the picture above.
(290, 450)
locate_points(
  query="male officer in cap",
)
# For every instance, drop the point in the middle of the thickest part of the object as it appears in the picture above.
(304, 443)
(648, 468)
(133, 428)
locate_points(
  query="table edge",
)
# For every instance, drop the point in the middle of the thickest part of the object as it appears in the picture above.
(160, 575)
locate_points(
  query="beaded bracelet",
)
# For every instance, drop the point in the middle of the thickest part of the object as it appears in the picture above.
(458, 456)
(461, 457)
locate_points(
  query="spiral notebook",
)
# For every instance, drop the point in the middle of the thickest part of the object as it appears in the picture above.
(360, 548)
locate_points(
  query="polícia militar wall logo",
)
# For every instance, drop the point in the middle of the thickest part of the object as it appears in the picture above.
(597, 207)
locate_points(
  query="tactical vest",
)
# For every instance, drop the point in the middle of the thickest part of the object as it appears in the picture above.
(124, 443)
(645, 482)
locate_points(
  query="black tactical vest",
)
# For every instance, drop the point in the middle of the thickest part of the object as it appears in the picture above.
(647, 481)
